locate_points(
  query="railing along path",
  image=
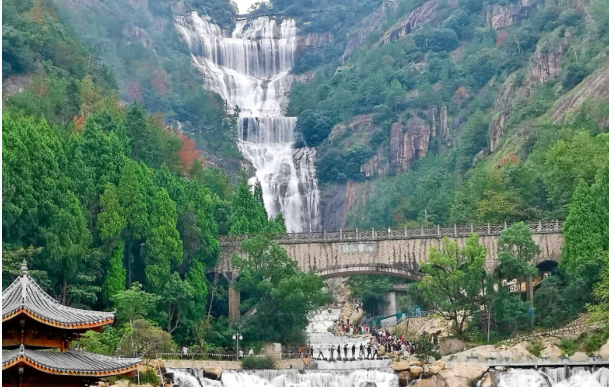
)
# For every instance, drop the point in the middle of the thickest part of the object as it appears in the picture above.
(398, 233)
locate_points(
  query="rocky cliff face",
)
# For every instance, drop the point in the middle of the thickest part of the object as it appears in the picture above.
(313, 40)
(544, 65)
(408, 147)
(357, 36)
(594, 86)
(502, 110)
(424, 14)
(336, 202)
(502, 16)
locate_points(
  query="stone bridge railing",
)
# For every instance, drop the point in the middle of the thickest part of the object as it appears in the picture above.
(397, 233)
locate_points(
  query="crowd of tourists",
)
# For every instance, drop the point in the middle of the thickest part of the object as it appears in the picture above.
(393, 343)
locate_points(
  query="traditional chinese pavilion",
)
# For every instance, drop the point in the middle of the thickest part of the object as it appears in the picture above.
(36, 332)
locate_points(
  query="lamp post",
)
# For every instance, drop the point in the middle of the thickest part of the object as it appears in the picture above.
(237, 336)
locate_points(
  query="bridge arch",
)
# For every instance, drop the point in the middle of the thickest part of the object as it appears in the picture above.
(348, 270)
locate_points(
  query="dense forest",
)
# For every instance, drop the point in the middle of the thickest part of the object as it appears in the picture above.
(476, 168)
(112, 209)
(115, 208)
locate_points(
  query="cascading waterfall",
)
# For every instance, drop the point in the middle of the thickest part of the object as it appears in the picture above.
(555, 377)
(292, 378)
(251, 69)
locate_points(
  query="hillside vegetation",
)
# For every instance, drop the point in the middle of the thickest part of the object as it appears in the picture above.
(452, 117)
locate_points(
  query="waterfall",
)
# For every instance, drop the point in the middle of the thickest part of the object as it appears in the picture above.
(292, 378)
(250, 69)
(555, 377)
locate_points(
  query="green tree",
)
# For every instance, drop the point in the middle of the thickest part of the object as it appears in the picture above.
(582, 256)
(516, 252)
(132, 196)
(454, 280)
(110, 221)
(576, 156)
(134, 303)
(248, 214)
(163, 245)
(176, 299)
(279, 295)
(116, 275)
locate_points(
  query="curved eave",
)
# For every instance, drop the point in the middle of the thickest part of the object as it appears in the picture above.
(54, 371)
(90, 325)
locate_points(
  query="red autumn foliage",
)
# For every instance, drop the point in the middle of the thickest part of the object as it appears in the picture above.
(79, 122)
(133, 89)
(502, 37)
(188, 154)
(159, 82)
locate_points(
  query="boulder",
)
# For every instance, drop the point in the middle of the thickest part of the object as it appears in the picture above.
(434, 369)
(400, 366)
(487, 381)
(441, 364)
(404, 377)
(451, 345)
(579, 357)
(550, 350)
(459, 375)
(481, 358)
(554, 358)
(213, 373)
(415, 371)
(431, 382)
(416, 363)
(461, 357)
(604, 351)
(519, 351)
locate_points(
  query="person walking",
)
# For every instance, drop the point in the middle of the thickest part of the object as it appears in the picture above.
(361, 351)
(321, 354)
(346, 349)
(338, 352)
(332, 352)
(353, 351)
(369, 350)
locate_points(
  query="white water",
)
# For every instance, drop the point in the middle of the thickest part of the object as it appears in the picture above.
(250, 68)
(291, 378)
(555, 377)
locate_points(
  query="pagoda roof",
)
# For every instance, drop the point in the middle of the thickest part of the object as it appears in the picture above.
(25, 296)
(71, 362)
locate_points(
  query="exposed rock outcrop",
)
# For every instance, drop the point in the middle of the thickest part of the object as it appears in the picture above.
(459, 375)
(544, 65)
(502, 16)
(357, 36)
(427, 13)
(15, 84)
(502, 109)
(138, 34)
(408, 147)
(595, 85)
(314, 40)
(336, 202)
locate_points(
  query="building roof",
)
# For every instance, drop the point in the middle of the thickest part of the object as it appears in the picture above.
(72, 362)
(25, 296)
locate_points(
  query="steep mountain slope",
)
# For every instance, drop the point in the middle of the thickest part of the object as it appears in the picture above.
(440, 114)
(138, 41)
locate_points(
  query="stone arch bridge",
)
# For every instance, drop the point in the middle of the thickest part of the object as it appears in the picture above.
(394, 252)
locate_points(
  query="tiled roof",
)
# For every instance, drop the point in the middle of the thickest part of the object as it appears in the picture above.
(72, 362)
(24, 295)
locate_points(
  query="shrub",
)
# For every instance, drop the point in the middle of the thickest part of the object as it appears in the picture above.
(535, 348)
(568, 347)
(257, 363)
(595, 340)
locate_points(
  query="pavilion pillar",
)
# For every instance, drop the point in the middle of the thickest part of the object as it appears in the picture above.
(234, 300)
